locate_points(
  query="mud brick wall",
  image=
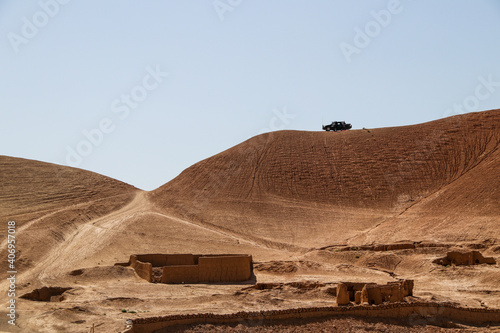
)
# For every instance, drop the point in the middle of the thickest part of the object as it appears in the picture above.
(225, 269)
(180, 274)
(391, 292)
(391, 310)
(374, 293)
(380, 247)
(189, 268)
(210, 269)
(143, 269)
(160, 260)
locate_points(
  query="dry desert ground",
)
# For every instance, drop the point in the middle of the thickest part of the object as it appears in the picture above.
(312, 209)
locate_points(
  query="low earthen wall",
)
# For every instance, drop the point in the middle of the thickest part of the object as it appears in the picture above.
(224, 269)
(380, 247)
(180, 274)
(143, 269)
(160, 260)
(189, 268)
(391, 310)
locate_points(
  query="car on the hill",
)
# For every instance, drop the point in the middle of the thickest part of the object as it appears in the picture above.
(337, 126)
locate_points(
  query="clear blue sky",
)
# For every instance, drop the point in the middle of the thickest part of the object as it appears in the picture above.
(235, 68)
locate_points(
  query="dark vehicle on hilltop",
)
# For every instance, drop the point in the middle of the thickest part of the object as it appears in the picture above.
(337, 126)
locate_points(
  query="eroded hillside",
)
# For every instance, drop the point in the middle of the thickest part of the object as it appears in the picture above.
(293, 186)
(49, 203)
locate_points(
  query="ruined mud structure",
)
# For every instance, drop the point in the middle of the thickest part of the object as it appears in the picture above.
(372, 293)
(191, 268)
(464, 258)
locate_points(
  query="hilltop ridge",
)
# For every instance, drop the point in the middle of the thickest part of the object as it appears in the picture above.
(34, 187)
(358, 177)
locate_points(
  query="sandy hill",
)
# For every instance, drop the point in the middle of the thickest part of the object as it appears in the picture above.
(49, 202)
(34, 188)
(291, 199)
(321, 188)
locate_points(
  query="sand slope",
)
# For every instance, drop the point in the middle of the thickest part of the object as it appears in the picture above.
(320, 188)
(34, 188)
(49, 202)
